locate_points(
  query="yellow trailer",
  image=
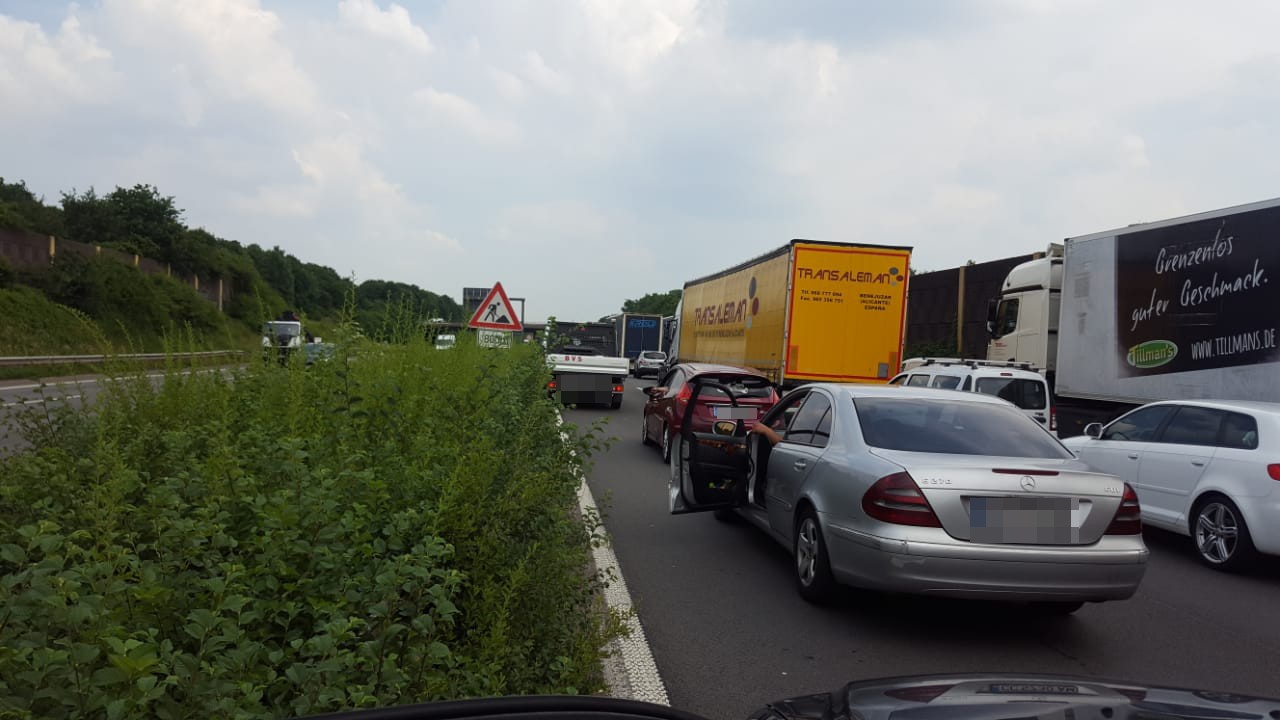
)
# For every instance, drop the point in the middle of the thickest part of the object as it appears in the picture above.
(808, 311)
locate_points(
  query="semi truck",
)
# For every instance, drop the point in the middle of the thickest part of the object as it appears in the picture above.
(637, 333)
(599, 337)
(807, 311)
(1175, 309)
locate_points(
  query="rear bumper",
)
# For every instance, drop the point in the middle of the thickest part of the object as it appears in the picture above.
(988, 572)
(1262, 514)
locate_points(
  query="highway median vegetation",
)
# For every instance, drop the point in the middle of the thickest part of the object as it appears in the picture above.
(394, 524)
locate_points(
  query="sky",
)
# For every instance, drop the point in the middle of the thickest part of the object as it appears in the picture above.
(584, 152)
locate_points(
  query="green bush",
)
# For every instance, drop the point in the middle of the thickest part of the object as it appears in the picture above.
(31, 324)
(130, 306)
(395, 525)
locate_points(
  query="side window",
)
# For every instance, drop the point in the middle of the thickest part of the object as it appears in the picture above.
(1139, 425)
(1006, 317)
(823, 434)
(968, 383)
(782, 413)
(675, 381)
(901, 379)
(807, 420)
(946, 382)
(1239, 431)
(1193, 426)
(919, 381)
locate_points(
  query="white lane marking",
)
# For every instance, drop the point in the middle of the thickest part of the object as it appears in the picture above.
(37, 401)
(641, 680)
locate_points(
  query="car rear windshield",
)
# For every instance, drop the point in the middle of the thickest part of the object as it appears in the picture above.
(956, 428)
(654, 355)
(742, 387)
(1026, 393)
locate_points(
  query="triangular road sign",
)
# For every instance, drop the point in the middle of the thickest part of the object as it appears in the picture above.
(496, 313)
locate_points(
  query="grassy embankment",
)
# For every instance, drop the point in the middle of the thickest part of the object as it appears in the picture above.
(396, 525)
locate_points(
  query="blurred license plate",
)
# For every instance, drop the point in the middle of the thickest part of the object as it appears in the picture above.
(1025, 520)
(726, 412)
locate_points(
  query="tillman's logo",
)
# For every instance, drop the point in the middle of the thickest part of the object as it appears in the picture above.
(1152, 354)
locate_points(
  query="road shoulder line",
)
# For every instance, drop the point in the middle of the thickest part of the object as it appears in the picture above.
(629, 668)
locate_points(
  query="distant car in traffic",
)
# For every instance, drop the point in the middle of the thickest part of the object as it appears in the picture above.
(1015, 382)
(919, 491)
(664, 413)
(649, 363)
(1205, 469)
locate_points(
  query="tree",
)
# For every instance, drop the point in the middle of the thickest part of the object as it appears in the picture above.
(654, 303)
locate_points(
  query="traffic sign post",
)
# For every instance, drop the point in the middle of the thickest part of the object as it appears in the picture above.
(493, 338)
(496, 313)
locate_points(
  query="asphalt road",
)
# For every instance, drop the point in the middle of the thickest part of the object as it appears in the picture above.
(729, 632)
(24, 396)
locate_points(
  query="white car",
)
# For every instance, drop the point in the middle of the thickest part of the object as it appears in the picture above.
(1014, 382)
(1202, 468)
(650, 362)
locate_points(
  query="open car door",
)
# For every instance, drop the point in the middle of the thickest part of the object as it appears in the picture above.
(709, 470)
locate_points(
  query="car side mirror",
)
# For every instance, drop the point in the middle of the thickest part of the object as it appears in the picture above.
(724, 427)
(1093, 430)
(656, 391)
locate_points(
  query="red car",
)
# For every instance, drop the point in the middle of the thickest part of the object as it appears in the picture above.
(667, 400)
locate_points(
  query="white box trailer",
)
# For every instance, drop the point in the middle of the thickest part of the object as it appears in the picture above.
(1185, 308)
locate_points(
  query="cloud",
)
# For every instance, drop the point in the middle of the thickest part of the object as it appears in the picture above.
(540, 74)
(647, 142)
(462, 115)
(39, 72)
(392, 24)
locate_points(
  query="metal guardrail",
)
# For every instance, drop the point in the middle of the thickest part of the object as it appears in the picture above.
(86, 359)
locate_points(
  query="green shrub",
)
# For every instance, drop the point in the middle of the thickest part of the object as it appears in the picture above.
(31, 324)
(395, 525)
(132, 307)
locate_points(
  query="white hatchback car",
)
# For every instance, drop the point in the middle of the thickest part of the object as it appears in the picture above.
(1202, 468)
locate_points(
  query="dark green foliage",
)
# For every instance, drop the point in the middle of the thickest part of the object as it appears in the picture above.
(22, 210)
(127, 303)
(262, 283)
(394, 525)
(663, 304)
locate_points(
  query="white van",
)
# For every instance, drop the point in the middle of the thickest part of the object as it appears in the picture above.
(1015, 382)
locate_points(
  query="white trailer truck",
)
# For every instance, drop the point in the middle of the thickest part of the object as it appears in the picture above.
(1176, 309)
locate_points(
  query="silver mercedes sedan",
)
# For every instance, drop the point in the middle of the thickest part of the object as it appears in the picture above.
(921, 491)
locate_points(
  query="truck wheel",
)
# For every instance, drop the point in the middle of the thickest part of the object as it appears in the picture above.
(616, 402)
(666, 444)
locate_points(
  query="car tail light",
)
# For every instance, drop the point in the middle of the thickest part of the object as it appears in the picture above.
(617, 388)
(897, 499)
(1128, 519)
(1134, 694)
(551, 385)
(1053, 418)
(1274, 471)
(685, 393)
(922, 694)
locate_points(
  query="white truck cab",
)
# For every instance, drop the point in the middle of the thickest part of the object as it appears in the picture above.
(1023, 322)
